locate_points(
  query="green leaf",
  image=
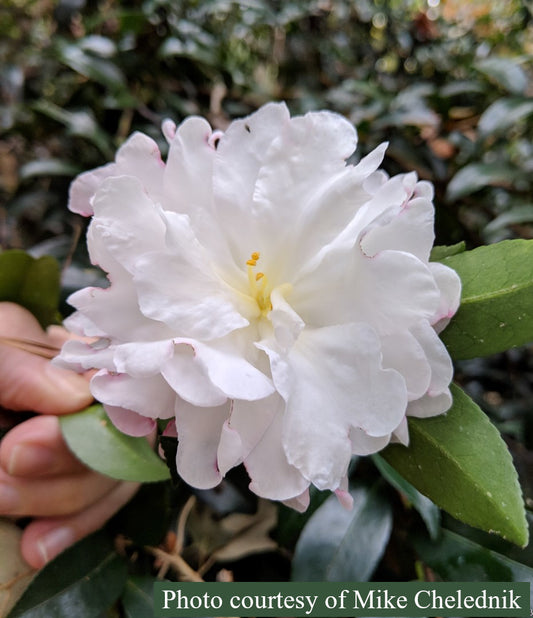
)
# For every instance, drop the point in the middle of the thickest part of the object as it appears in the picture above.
(83, 581)
(504, 114)
(94, 439)
(516, 215)
(98, 69)
(457, 559)
(147, 517)
(291, 522)
(429, 511)
(439, 252)
(47, 167)
(496, 311)
(137, 600)
(32, 283)
(342, 545)
(461, 463)
(476, 176)
(506, 72)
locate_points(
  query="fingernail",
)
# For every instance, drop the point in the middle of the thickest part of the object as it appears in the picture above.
(9, 499)
(30, 458)
(53, 543)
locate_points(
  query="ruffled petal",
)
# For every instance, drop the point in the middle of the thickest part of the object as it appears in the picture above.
(180, 288)
(449, 285)
(428, 405)
(142, 359)
(149, 397)
(390, 291)
(411, 231)
(189, 164)
(139, 156)
(363, 444)
(299, 503)
(199, 432)
(438, 358)
(81, 356)
(403, 352)
(126, 222)
(129, 422)
(337, 384)
(401, 433)
(188, 378)
(271, 474)
(84, 187)
(205, 375)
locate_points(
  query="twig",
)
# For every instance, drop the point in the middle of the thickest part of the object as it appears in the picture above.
(182, 567)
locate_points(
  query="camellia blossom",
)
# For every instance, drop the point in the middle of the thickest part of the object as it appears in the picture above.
(275, 301)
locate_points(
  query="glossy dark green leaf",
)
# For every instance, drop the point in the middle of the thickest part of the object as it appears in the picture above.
(83, 581)
(504, 114)
(31, 282)
(342, 545)
(506, 72)
(429, 511)
(496, 311)
(137, 600)
(455, 558)
(461, 463)
(476, 176)
(93, 438)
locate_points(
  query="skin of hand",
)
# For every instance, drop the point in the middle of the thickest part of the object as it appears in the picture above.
(39, 476)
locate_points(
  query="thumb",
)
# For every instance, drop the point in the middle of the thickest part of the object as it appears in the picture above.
(30, 382)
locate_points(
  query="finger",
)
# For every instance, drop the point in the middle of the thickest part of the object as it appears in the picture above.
(52, 496)
(30, 382)
(36, 448)
(44, 539)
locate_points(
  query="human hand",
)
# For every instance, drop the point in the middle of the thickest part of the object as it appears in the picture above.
(39, 476)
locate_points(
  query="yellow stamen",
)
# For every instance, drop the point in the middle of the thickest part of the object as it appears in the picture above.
(258, 292)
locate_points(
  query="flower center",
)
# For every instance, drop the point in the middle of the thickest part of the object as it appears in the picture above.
(259, 288)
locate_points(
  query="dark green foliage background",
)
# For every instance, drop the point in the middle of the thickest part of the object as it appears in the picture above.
(449, 88)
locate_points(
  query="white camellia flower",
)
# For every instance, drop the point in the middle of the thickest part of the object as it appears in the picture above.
(274, 300)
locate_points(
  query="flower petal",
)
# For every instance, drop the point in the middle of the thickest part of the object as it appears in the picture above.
(180, 288)
(129, 422)
(150, 397)
(449, 285)
(430, 405)
(403, 352)
(141, 359)
(81, 356)
(271, 474)
(390, 291)
(188, 378)
(337, 384)
(139, 156)
(199, 432)
(126, 222)
(437, 355)
(411, 230)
